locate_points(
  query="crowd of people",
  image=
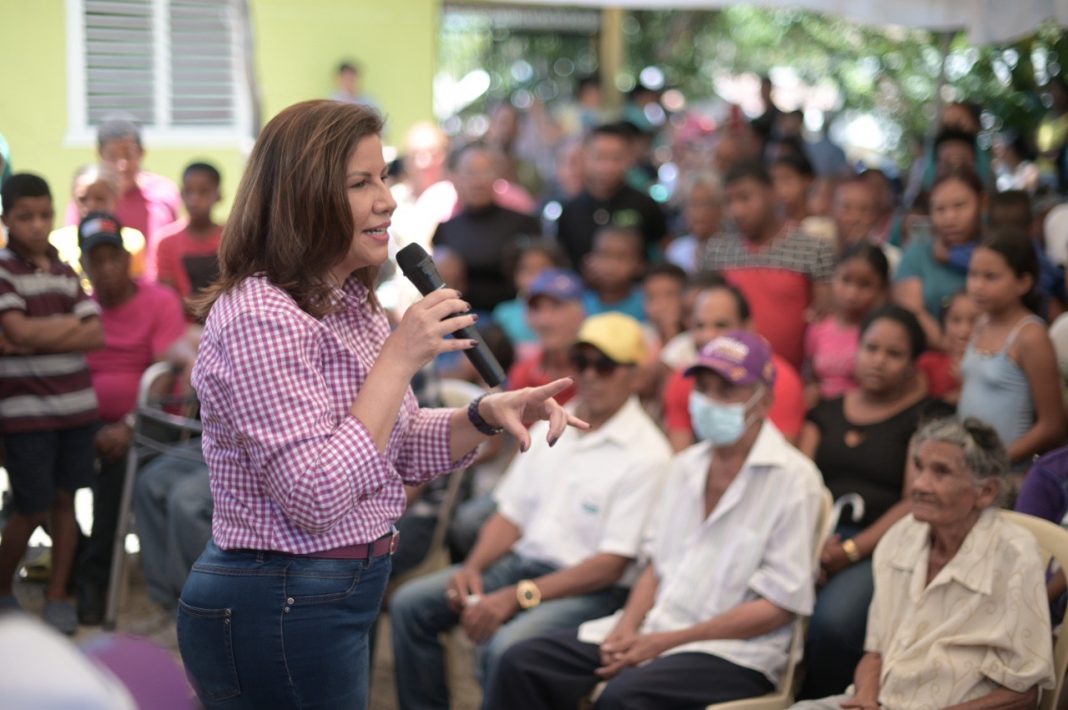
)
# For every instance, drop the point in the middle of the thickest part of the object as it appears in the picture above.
(748, 321)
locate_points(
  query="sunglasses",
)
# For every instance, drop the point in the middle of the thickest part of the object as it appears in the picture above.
(601, 364)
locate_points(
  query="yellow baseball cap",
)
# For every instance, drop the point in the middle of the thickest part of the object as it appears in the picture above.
(618, 336)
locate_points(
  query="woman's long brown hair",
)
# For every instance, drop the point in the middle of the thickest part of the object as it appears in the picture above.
(291, 219)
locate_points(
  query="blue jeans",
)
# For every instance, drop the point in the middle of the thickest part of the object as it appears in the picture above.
(173, 503)
(836, 632)
(468, 520)
(419, 612)
(271, 630)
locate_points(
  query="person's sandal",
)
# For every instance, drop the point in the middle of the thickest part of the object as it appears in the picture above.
(37, 567)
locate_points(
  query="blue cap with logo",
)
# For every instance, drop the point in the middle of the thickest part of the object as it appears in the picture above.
(558, 284)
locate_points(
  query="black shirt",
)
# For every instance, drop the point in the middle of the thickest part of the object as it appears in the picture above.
(868, 459)
(486, 240)
(584, 215)
(764, 124)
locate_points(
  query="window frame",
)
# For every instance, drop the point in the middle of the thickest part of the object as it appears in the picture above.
(81, 134)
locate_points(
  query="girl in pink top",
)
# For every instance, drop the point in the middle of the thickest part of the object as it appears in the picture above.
(859, 286)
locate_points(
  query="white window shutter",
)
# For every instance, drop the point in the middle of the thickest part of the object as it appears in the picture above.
(119, 59)
(171, 63)
(203, 73)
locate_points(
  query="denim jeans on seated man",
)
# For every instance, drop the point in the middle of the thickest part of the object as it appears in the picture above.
(172, 500)
(468, 520)
(420, 612)
(837, 627)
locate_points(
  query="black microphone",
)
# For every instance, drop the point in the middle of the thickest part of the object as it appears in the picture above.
(420, 270)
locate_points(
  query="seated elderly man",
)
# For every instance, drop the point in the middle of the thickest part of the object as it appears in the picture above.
(568, 524)
(731, 565)
(959, 617)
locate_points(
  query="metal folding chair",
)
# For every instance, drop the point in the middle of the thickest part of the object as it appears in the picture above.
(155, 431)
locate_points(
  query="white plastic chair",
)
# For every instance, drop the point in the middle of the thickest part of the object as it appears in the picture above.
(1056, 231)
(1053, 540)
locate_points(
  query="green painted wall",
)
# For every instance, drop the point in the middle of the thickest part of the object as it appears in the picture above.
(301, 42)
(298, 44)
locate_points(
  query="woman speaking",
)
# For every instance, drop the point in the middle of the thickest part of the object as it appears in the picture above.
(310, 427)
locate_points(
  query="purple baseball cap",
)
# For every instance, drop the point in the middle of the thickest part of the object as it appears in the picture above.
(740, 356)
(558, 284)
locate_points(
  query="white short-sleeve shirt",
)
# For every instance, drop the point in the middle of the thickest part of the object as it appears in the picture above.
(756, 543)
(591, 493)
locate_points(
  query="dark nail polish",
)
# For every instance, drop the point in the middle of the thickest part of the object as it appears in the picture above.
(475, 316)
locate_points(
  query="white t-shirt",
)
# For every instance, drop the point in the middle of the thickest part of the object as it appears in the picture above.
(679, 352)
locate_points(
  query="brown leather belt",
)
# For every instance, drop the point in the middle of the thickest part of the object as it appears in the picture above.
(385, 545)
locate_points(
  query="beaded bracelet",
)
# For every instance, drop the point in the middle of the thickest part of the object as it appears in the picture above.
(476, 419)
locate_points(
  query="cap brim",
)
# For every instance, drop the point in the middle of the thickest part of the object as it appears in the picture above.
(100, 239)
(559, 298)
(607, 353)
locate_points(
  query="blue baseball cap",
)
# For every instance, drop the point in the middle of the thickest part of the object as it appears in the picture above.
(558, 284)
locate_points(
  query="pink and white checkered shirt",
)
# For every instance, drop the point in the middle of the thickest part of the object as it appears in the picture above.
(291, 469)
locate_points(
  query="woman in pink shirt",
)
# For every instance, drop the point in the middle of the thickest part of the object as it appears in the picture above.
(310, 427)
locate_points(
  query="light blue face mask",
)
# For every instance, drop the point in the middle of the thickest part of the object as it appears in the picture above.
(718, 423)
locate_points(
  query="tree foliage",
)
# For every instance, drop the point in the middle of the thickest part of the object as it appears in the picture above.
(893, 73)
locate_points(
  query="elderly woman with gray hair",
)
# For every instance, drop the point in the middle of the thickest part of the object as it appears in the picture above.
(959, 617)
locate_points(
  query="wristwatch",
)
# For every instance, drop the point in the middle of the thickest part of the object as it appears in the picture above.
(849, 547)
(527, 594)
